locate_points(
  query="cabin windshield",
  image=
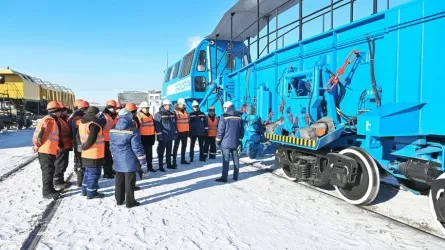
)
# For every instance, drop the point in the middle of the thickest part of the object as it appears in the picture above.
(202, 61)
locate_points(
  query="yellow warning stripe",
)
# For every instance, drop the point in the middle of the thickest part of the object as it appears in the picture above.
(292, 140)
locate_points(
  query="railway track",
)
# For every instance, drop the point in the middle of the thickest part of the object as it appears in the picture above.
(419, 219)
(14, 170)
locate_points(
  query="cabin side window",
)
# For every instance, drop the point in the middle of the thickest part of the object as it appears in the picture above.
(230, 61)
(187, 64)
(167, 75)
(202, 60)
(200, 84)
(175, 71)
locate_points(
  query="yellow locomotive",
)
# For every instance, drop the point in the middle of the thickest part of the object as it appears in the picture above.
(22, 95)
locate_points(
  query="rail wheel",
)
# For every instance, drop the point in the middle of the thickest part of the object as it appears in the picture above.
(437, 202)
(368, 178)
(280, 161)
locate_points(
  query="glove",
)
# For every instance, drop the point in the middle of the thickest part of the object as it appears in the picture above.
(240, 149)
(35, 149)
(143, 162)
(218, 143)
(145, 166)
(79, 148)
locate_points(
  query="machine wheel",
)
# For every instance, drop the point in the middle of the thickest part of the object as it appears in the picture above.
(437, 202)
(368, 183)
(280, 161)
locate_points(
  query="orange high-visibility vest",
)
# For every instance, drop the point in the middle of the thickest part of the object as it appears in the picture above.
(213, 126)
(110, 123)
(49, 143)
(97, 150)
(182, 121)
(65, 134)
(146, 123)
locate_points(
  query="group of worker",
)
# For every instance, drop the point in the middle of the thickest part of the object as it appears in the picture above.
(120, 141)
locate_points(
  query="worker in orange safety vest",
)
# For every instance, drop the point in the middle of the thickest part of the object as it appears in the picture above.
(147, 132)
(47, 142)
(62, 157)
(212, 123)
(108, 120)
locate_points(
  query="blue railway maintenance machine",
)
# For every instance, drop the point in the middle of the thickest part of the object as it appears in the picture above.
(344, 106)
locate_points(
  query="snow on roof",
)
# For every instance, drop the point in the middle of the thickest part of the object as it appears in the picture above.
(245, 14)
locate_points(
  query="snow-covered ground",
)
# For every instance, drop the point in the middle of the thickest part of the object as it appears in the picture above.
(15, 149)
(21, 205)
(187, 209)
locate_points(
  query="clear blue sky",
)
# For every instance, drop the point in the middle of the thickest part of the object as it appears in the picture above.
(101, 47)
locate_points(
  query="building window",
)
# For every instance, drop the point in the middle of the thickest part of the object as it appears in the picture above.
(202, 60)
(200, 84)
(167, 75)
(230, 61)
(151, 97)
(157, 97)
(187, 64)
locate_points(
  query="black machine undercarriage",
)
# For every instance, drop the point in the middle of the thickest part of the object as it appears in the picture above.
(317, 168)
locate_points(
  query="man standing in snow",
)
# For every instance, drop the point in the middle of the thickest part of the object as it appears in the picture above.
(166, 132)
(62, 157)
(73, 122)
(229, 137)
(47, 142)
(90, 141)
(198, 130)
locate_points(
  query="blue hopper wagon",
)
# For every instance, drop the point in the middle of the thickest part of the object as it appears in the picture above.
(343, 106)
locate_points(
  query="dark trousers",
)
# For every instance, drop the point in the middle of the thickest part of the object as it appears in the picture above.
(226, 161)
(61, 165)
(78, 166)
(48, 168)
(91, 181)
(108, 166)
(165, 147)
(210, 143)
(148, 150)
(124, 189)
(201, 141)
(183, 140)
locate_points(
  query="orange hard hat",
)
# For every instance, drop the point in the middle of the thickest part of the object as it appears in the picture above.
(111, 103)
(130, 107)
(118, 105)
(52, 105)
(83, 104)
(76, 102)
(61, 105)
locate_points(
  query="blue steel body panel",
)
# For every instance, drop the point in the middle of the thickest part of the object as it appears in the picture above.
(289, 84)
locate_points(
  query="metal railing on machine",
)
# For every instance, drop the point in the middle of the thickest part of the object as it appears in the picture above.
(293, 25)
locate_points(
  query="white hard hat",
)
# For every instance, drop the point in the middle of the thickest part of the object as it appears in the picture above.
(166, 102)
(144, 104)
(227, 104)
(195, 103)
(181, 101)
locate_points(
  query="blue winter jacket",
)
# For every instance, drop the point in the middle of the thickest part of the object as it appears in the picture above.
(126, 147)
(230, 129)
(198, 124)
(165, 125)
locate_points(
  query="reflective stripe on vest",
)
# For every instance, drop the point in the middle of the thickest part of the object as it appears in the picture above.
(97, 150)
(182, 121)
(146, 123)
(50, 139)
(213, 126)
(110, 123)
(65, 134)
